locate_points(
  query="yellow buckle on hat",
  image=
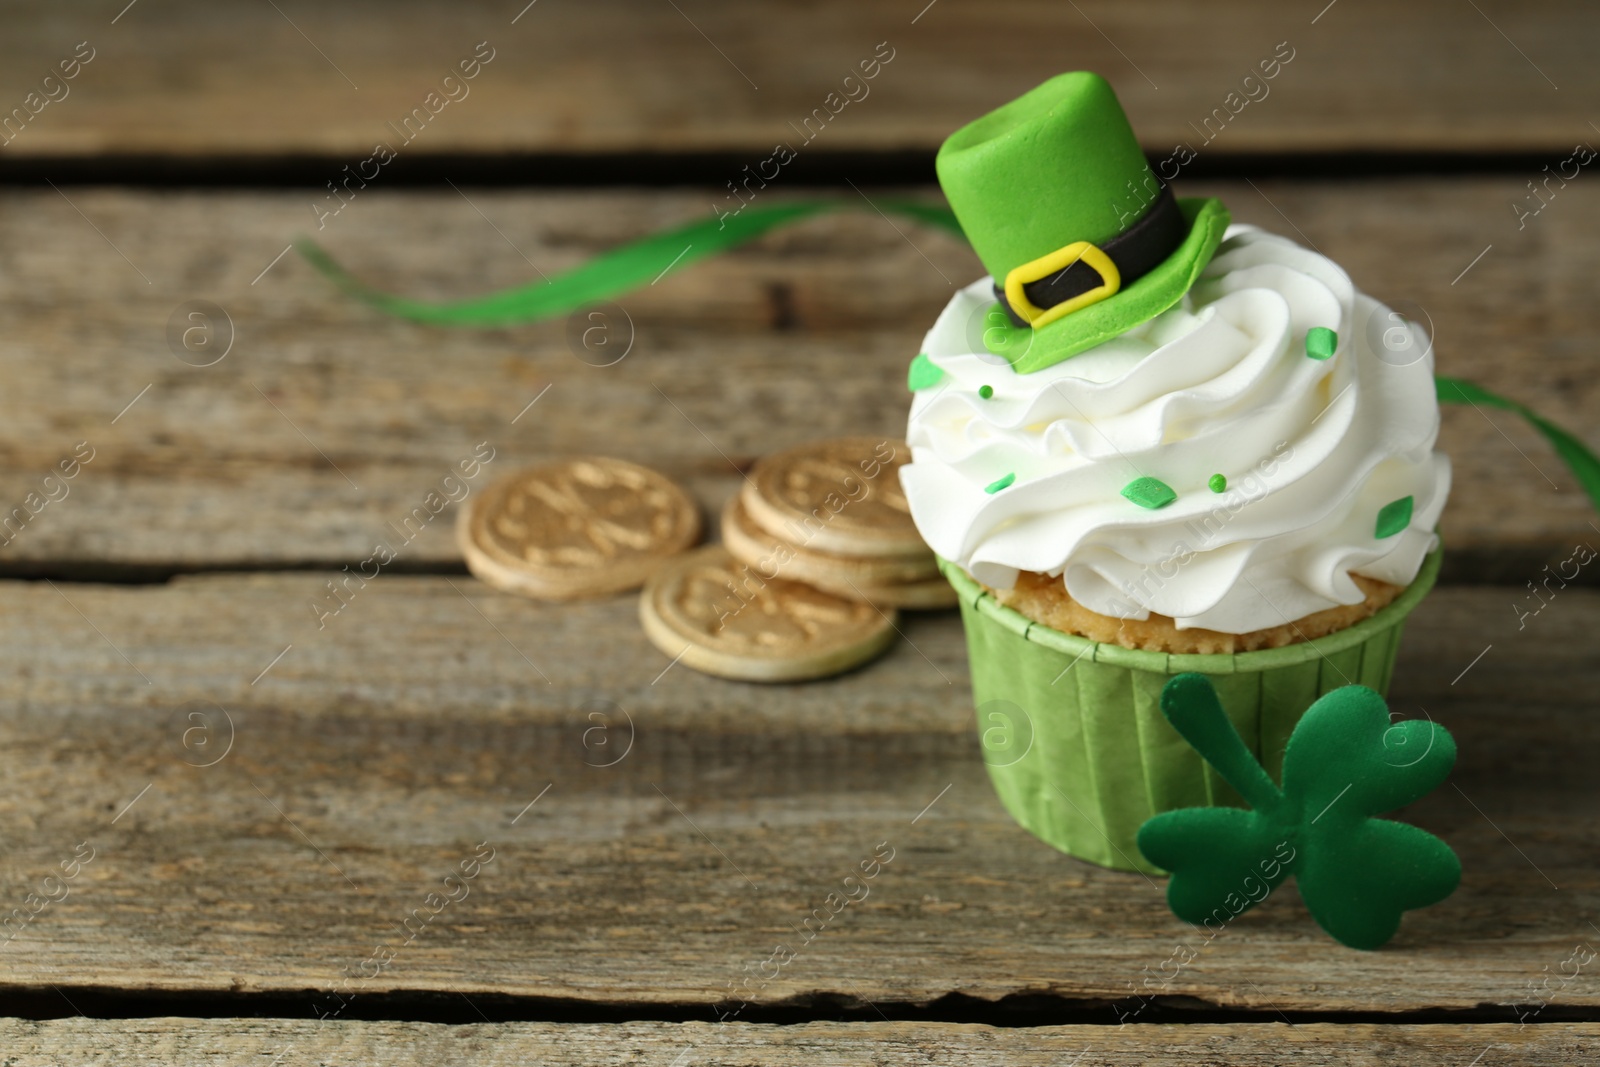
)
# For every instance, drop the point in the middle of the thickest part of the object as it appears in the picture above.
(1060, 260)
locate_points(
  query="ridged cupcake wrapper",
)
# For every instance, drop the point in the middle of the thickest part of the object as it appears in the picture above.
(1072, 730)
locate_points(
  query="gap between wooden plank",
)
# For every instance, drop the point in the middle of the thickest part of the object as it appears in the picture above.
(451, 1007)
(817, 168)
(1508, 567)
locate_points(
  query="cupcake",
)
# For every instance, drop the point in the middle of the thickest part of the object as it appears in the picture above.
(1149, 443)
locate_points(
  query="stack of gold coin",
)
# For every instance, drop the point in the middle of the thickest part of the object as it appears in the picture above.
(831, 514)
(820, 551)
(576, 528)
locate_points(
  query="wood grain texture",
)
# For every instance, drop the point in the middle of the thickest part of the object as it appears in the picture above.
(326, 423)
(415, 790)
(186, 79)
(656, 833)
(220, 1042)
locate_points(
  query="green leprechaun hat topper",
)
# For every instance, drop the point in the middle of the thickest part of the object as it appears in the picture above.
(1082, 241)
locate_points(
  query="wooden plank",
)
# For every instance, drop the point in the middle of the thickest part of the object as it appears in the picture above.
(219, 1042)
(194, 79)
(268, 819)
(326, 424)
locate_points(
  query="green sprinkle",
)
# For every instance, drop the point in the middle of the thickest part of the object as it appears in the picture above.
(1393, 517)
(1000, 483)
(923, 373)
(1217, 483)
(1149, 493)
(986, 391)
(1320, 342)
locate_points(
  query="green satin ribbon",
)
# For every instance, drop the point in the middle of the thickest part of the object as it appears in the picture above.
(612, 273)
(646, 261)
(1573, 452)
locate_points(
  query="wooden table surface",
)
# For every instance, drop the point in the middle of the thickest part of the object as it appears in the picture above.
(265, 800)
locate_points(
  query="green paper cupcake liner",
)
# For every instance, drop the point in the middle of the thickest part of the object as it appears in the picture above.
(1072, 730)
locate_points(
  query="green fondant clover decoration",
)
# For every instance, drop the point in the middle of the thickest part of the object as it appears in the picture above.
(1346, 763)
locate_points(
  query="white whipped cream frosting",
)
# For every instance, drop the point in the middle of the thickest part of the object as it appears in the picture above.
(1220, 384)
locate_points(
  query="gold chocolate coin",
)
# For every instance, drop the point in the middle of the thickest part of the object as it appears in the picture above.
(930, 594)
(720, 616)
(840, 496)
(752, 544)
(576, 528)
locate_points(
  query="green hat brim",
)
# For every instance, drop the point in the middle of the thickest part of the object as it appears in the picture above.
(1027, 349)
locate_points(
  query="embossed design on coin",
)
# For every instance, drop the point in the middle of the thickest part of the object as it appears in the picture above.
(581, 527)
(723, 617)
(841, 496)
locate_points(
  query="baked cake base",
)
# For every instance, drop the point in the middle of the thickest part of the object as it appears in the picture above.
(1044, 599)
